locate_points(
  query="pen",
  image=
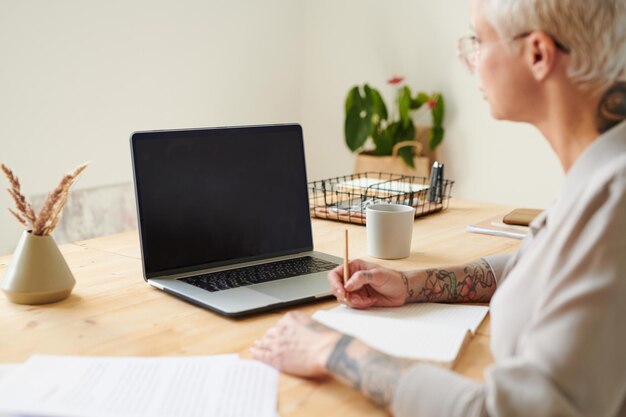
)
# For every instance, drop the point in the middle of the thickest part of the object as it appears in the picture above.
(440, 184)
(433, 181)
(346, 268)
(435, 193)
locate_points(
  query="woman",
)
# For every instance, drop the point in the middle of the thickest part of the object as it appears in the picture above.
(558, 305)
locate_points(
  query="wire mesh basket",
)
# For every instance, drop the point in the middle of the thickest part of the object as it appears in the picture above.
(346, 198)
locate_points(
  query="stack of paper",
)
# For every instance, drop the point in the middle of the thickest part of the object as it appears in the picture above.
(496, 227)
(426, 331)
(394, 187)
(133, 386)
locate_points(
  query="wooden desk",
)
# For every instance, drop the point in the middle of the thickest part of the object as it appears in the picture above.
(112, 311)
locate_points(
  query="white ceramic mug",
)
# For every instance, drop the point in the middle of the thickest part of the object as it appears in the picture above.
(389, 230)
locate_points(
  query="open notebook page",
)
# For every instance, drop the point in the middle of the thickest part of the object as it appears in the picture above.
(430, 332)
(466, 317)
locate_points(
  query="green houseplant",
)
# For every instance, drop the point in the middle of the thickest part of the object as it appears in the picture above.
(367, 117)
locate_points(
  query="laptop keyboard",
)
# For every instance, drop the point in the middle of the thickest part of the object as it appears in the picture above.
(249, 275)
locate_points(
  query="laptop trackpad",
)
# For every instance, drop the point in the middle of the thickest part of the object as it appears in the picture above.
(314, 285)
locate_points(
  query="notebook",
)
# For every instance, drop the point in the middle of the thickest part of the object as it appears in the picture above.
(423, 331)
(224, 217)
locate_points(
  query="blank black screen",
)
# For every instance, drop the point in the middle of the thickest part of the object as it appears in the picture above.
(210, 196)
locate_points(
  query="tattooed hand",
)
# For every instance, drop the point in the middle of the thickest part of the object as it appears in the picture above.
(300, 346)
(370, 285)
(297, 345)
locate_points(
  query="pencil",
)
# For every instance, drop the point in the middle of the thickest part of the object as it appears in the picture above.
(346, 268)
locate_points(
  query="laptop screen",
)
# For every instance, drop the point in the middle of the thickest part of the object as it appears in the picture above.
(210, 197)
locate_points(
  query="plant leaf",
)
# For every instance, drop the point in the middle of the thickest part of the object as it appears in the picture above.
(353, 98)
(439, 110)
(370, 109)
(418, 101)
(383, 141)
(436, 137)
(407, 154)
(368, 99)
(379, 107)
(399, 134)
(356, 128)
(404, 104)
(415, 104)
(422, 97)
(358, 122)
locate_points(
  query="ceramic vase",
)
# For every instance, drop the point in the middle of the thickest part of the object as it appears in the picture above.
(38, 273)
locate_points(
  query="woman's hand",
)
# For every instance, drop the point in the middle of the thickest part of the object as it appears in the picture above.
(300, 346)
(370, 285)
(297, 345)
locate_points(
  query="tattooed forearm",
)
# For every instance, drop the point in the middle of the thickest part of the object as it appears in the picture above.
(440, 284)
(373, 373)
(477, 276)
(471, 283)
(409, 291)
(342, 365)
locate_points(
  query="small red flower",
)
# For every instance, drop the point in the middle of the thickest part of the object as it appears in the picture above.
(431, 104)
(395, 80)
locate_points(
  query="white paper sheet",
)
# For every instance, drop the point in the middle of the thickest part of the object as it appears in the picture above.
(7, 368)
(431, 314)
(121, 387)
(376, 184)
(427, 331)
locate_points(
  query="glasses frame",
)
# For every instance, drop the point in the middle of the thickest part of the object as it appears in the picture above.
(468, 48)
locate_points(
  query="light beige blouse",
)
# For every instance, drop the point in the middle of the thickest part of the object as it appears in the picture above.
(558, 317)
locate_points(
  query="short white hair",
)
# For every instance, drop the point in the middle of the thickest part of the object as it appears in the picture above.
(593, 30)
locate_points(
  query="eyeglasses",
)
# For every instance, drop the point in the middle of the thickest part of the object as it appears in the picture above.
(469, 48)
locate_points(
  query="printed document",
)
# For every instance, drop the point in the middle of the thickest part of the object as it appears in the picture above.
(139, 386)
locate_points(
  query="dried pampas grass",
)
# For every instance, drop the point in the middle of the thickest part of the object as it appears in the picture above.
(50, 214)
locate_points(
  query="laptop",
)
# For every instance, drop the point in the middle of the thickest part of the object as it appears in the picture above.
(224, 217)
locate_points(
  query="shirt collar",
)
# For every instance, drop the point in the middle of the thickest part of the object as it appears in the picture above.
(609, 145)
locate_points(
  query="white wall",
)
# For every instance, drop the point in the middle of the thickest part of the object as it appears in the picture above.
(356, 41)
(77, 77)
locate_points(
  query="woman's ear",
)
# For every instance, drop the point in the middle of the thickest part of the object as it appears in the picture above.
(540, 54)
